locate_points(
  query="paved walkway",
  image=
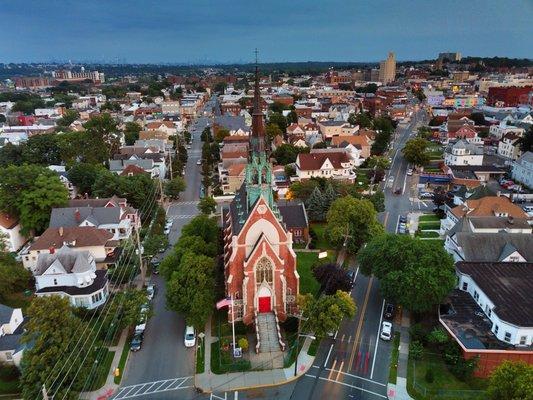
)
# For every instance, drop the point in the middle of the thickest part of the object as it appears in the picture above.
(209, 382)
(399, 391)
(106, 391)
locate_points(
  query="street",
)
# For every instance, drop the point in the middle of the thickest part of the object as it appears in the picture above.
(164, 365)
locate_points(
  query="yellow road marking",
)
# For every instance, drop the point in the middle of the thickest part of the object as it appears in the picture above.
(332, 369)
(340, 369)
(360, 325)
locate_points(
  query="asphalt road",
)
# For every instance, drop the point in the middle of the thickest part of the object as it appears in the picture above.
(164, 367)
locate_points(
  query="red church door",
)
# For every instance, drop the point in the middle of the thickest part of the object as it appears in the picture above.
(264, 304)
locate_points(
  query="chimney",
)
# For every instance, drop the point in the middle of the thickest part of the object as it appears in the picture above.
(77, 215)
(52, 250)
(61, 231)
(510, 219)
(498, 193)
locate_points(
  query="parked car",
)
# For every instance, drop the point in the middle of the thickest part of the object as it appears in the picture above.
(167, 230)
(189, 337)
(389, 311)
(426, 195)
(199, 162)
(386, 330)
(409, 172)
(136, 342)
(403, 219)
(398, 191)
(150, 292)
(140, 328)
(351, 274)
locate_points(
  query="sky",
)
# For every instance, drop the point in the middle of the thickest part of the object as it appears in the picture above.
(194, 31)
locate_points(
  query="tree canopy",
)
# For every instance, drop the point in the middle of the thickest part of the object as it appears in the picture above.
(174, 187)
(416, 273)
(352, 222)
(287, 153)
(325, 314)
(415, 151)
(511, 380)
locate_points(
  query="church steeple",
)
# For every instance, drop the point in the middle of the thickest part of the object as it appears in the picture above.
(257, 139)
(258, 171)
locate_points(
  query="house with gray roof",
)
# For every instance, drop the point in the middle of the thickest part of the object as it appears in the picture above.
(71, 274)
(523, 169)
(11, 329)
(113, 219)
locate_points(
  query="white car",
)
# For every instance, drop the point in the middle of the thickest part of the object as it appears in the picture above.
(386, 330)
(409, 172)
(150, 292)
(189, 339)
(199, 162)
(167, 230)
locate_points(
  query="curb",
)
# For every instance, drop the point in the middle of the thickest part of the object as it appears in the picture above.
(264, 385)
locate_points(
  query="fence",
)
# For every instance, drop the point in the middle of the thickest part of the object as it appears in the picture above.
(437, 394)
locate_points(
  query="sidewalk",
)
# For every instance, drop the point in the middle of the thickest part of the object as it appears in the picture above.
(399, 391)
(106, 391)
(209, 382)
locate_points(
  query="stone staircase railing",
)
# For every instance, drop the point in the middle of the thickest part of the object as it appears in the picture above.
(258, 344)
(280, 339)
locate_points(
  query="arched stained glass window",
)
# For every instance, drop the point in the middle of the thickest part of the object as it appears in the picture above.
(263, 271)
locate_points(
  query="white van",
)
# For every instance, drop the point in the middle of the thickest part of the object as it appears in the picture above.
(189, 339)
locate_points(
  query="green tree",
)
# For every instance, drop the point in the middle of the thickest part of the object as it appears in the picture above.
(277, 107)
(190, 289)
(131, 132)
(36, 205)
(316, 206)
(207, 205)
(415, 151)
(221, 134)
(424, 132)
(511, 380)
(104, 128)
(50, 329)
(272, 130)
(203, 226)
(10, 155)
(41, 149)
(526, 141)
(30, 192)
(174, 187)
(378, 200)
(326, 313)
(287, 153)
(68, 118)
(153, 243)
(83, 176)
(378, 162)
(279, 120)
(399, 260)
(330, 195)
(13, 276)
(193, 244)
(362, 119)
(352, 222)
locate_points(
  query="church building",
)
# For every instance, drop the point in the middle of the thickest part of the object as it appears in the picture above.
(259, 262)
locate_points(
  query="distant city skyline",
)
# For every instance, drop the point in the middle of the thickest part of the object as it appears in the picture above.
(206, 31)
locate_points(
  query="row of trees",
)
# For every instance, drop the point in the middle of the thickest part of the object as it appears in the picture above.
(190, 271)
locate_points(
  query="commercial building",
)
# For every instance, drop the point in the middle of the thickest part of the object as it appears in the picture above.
(387, 69)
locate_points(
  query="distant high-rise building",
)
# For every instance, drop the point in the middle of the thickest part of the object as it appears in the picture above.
(387, 69)
(450, 57)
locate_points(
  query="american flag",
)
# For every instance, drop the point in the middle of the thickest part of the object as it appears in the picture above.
(223, 303)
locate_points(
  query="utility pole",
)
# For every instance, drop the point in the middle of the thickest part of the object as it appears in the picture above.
(160, 184)
(139, 250)
(170, 163)
(45, 393)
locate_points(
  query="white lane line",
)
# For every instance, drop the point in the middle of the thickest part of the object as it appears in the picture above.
(353, 386)
(329, 354)
(236, 397)
(404, 183)
(377, 341)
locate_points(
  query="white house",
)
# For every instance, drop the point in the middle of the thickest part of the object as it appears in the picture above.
(10, 232)
(11, 320)
(503, 292)
(523, 169)
(325, 163)
(71, 274)
(500, 130)
(509, 146)
(463, 153)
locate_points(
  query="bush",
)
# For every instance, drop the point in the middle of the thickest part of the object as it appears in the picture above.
(438, 336)
(314, 238)
(430, 377)
(415, 350)
(243, 344)
(418, 332)
(9, 373)
(462, 369)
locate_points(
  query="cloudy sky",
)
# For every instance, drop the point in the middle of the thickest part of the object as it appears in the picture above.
(283, 30)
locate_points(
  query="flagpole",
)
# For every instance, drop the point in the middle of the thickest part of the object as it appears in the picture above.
(232, 324)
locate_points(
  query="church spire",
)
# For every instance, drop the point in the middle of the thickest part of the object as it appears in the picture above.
(257, 140)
